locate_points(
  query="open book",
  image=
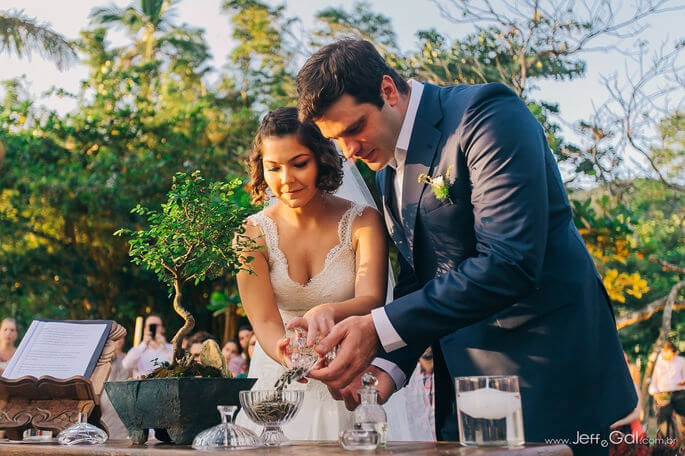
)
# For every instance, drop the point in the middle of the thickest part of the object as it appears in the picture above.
(60, 349)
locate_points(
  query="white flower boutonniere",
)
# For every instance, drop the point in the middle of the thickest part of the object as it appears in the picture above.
(440, 184)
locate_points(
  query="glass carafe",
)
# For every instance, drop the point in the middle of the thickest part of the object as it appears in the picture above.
(369, 415)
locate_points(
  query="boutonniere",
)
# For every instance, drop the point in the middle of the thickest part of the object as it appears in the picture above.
(441, 184)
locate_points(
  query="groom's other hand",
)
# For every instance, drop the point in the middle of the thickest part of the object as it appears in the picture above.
(350, 394)
(358, 346)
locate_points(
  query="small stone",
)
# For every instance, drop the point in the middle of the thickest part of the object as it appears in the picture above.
(210, 355)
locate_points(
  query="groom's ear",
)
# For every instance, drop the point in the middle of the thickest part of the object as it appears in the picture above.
(389, 91)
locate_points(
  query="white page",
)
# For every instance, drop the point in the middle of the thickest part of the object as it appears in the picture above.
(54, 348)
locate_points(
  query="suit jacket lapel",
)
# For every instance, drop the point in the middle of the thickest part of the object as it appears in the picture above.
(394, 227)
(420, 159)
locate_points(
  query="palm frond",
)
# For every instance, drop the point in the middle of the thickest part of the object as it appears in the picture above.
(153, 9)
(105, 14)
(22, 35)
(130, 18)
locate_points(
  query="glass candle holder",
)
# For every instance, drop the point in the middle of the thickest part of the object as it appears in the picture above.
(489, 411)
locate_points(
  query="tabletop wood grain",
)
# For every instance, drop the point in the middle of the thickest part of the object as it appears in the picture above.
(321, 448)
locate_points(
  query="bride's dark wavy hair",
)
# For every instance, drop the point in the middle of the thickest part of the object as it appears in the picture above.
(282, 122)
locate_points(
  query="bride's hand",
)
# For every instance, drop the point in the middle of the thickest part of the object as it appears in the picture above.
(317, 321)
(284, 353)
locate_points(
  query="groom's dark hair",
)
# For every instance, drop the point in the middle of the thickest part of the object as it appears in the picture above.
(348, 66)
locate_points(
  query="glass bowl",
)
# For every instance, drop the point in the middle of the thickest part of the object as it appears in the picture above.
(82, 433)
(271, 409)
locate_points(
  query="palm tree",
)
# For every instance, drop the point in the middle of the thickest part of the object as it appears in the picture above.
(21, 34)
(152, 16)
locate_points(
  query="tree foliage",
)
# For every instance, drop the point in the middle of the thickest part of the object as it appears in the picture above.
(68, 181)
(197, 235)
(147, 111)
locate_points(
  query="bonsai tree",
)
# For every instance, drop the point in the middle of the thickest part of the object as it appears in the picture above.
(196, 236)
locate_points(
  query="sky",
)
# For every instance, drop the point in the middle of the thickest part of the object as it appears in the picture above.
(68, 17)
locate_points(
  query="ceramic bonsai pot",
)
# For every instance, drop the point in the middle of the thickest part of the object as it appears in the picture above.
(177, 408)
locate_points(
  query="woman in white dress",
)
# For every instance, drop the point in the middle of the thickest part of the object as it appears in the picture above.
(320, 257)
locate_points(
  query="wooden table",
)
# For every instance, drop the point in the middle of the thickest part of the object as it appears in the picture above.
(323, 448)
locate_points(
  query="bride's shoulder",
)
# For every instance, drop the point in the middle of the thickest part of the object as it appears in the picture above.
(368, 215)
(349, 205)
(256, 226)
(364, 216)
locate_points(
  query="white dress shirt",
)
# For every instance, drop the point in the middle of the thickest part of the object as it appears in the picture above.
(387, 334)
(667, 375)
(142, 357)
(397, 163)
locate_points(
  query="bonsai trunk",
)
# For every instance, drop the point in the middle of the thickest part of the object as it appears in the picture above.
(179, 353)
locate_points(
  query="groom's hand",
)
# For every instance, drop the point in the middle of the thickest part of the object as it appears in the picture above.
(350, 394)
(358, 346)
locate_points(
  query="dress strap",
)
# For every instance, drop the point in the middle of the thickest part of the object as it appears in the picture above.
(270, 231)
(346, 221)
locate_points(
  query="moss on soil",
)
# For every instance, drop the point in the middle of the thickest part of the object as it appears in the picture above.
(191, 370)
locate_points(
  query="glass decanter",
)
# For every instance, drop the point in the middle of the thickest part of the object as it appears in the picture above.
(304, 358)
(370, 416)
(82, 433)
(226, 436)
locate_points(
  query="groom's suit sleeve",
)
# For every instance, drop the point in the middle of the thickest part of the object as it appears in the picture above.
(504, 149)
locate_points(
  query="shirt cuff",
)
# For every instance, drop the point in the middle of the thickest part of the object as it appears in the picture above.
(386, 332)
(392, 370)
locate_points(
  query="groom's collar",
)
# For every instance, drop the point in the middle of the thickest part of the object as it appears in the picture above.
(415, 91)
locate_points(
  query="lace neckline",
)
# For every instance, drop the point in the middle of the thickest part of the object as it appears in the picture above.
(344, 234)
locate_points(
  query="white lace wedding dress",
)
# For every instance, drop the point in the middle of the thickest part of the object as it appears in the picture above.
(321, 417)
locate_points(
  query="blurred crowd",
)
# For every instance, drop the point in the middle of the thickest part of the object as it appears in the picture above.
(155, 350)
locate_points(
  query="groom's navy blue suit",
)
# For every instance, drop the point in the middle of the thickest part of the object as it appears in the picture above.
(499, 280)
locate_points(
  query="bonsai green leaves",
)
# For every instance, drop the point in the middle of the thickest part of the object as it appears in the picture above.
(197, 235)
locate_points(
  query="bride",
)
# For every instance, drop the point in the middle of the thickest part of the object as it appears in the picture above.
(320, 257)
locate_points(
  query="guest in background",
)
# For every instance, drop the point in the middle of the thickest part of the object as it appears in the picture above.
(236, 363)
(245, 333)
(195, 344)
(426, 369)
(185, 342)
(250, 347)
(630, 424)
(152, 351)
(668, 387)
(8, 336)
(119, 372)
(115, 426)
(420, 396)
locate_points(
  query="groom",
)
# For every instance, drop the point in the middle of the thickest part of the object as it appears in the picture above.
(493, 273)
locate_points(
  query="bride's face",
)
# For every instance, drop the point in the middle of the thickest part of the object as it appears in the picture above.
(290, 170)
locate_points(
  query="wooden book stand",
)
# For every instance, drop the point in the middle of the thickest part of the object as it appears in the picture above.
(50, 404)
